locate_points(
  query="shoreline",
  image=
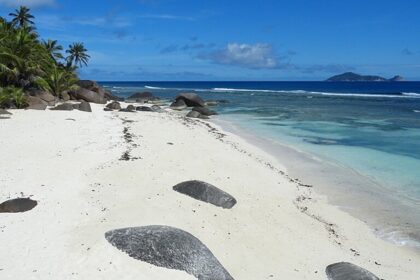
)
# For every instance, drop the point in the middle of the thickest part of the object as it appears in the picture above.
(378, 212)
(279, 226)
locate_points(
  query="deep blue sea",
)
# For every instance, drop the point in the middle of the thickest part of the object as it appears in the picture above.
(372, 130)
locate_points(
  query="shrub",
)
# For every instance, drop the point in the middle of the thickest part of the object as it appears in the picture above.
(12, 96)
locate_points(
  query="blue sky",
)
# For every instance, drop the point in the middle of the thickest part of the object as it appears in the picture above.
(140, 40)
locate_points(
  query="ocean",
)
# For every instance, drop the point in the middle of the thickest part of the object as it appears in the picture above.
(357, 143)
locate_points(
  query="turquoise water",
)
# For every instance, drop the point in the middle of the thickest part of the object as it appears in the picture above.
(371, 128)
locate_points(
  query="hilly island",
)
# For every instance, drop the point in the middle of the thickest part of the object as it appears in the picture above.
(353, 77)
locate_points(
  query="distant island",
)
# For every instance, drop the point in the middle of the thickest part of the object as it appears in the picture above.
(353, 77)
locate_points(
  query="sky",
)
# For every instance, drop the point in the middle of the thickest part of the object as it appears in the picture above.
(221, 40)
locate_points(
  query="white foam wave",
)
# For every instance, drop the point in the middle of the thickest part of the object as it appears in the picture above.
(411, 94)
(178, 89)
(359, 95)
(244, 90)
(366, 95)
(149, 87)
(416, 111)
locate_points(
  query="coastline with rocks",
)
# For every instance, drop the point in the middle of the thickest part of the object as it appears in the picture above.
(190, 142)
(153, 189)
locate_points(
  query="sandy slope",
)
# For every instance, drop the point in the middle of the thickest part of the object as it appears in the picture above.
(70, 163)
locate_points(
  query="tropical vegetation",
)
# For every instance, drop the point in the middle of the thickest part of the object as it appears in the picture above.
(29, 63)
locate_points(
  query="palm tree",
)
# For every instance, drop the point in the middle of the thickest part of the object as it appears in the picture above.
(53, 48)
(22, 17)
(77, 55)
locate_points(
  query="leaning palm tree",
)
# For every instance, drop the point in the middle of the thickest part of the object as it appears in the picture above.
(53, 48)
(22, 17)
(77, 55)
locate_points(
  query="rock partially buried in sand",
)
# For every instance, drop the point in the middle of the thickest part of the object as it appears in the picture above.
(348, 271)
(17, 205)
(171, 248)
(64, 107)
(130, 109)
(4, 112)
(144, 109)
(114, 105)
(84, 106)
(35, 103)
(206, 192)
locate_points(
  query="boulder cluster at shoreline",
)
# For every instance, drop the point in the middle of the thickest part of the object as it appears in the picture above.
(91, 92)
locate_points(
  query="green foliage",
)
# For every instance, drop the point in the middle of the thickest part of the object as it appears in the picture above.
(13, 96)
(28, 62)
(54, 49)
(57, 80)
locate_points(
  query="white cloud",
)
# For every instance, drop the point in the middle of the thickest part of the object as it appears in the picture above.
(245, 55)
(29, 3)
(53, 22)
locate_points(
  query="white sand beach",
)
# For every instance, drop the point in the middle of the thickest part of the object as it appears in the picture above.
(69, 162)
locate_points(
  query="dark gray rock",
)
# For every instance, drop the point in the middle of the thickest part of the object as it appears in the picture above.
(204, 111)
(144, 109)
(84, 106)
(35, 103)
(130, 108)
(65, 96)
(193, 114)
(196, 115)
(154, 108)
(65, 107)
(206, 192)
(90, 85)
(157, 108)
(95, 87)
(107, 109)
(191, 99)
(4, 112)
(90, 96)
(47, 97)
(171, 248)
(143, 97)
(114, 105)
(17, 205)
(144, 94)
(178, 105)
(348, 271)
